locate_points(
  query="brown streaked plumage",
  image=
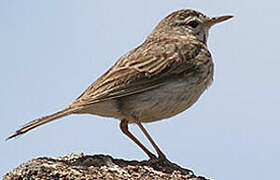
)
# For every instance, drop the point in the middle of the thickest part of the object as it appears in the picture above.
(160, 78)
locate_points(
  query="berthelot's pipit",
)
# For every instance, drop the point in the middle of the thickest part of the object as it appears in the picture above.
(160, 78)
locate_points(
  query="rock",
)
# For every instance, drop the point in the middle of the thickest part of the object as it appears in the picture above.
(81, 166)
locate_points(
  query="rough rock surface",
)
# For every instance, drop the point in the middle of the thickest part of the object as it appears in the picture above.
(81, 166)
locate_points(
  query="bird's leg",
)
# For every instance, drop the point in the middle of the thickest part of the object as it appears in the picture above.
(161, 162)
(124, 128)
(161, 156)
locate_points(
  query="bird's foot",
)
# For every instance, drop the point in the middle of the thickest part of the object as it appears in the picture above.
(163, 164)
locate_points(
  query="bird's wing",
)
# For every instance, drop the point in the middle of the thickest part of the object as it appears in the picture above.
(149, 66)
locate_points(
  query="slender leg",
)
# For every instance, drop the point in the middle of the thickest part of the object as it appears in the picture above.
(124, 128)
(161, 161)
(160, 153)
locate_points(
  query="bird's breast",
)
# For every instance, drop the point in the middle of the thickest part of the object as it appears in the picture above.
(165, 101)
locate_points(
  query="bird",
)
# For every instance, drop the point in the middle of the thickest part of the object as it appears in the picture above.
(163, 76)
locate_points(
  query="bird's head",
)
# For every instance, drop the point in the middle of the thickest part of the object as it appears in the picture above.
(187, 24)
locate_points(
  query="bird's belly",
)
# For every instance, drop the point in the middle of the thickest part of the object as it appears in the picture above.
(162, 102)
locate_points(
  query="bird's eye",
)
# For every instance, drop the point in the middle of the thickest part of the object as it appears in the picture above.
(193, 24)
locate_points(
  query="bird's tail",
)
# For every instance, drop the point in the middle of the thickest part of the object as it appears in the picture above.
(43, 120)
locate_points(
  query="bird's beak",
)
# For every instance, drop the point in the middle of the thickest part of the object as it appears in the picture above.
(216, 20)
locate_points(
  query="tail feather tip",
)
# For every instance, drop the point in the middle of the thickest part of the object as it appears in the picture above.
(12, 136)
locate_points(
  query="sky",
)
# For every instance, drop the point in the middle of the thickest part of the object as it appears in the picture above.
(51, 51)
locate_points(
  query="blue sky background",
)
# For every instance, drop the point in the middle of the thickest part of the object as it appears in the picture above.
(53, 50)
